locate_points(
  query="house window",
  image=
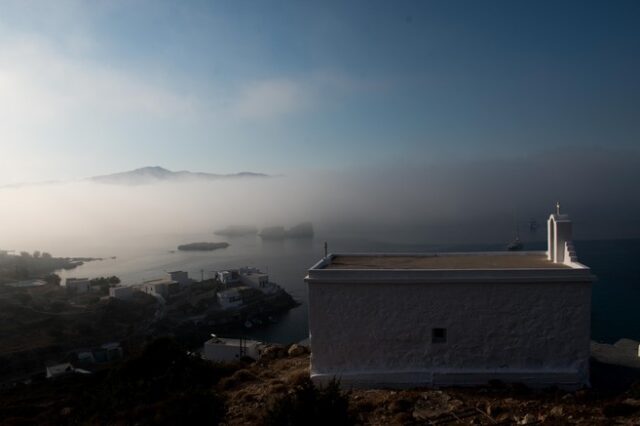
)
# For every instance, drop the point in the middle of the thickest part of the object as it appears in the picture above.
(438, 335)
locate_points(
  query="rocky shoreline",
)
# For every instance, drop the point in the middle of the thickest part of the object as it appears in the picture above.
(202, 246)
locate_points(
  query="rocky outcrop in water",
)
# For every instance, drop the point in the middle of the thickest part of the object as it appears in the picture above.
(202, 246)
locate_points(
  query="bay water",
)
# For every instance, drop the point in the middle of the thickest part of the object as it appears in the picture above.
(616, 263)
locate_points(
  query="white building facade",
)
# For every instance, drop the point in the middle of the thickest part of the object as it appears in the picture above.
(159, 287)
(78, 285)
(257, 280)
(228, 277)
(181, 277)
(248, 276)
(121, 292)
(452, 318)
(230, 298)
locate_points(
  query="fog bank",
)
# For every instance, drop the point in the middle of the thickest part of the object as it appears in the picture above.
(472, 201)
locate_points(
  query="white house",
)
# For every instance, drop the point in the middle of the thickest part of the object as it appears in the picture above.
(58, 370)
(259, 280)
(248, 276)
(181, 277)
(230, 298)
(225, 350)
(78, 285)
(443, 319)
(229, 277)
(121, 292)
(158, 287)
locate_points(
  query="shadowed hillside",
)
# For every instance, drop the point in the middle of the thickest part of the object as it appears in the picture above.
(164, 384)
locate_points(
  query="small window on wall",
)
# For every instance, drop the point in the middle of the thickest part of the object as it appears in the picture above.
(438, 335)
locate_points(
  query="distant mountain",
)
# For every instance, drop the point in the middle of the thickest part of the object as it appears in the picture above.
(148, 175)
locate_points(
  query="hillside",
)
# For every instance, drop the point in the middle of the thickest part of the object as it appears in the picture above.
(266, 383)
(149, 175)
(164, 385)
(46, 323)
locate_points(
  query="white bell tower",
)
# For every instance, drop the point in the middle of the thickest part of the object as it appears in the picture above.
(559, 238)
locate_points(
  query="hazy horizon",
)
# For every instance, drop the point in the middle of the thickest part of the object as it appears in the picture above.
(456, 203)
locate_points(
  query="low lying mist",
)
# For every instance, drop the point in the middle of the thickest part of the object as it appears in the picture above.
(464, 202)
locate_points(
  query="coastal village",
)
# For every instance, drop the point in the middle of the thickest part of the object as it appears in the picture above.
(243, 296)
(79, 325)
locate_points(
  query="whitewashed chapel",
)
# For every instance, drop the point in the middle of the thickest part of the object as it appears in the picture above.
(444, 319)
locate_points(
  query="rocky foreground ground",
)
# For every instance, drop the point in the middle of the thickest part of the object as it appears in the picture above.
(166, 385)
(250, 390)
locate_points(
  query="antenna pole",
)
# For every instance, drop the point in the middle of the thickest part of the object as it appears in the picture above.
(326, 249)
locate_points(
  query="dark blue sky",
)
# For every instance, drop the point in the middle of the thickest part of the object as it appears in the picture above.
(277, 86)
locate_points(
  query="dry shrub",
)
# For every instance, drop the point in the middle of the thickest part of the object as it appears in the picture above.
(278, 388)
(310, 405)
(237, 378)
(298, 378)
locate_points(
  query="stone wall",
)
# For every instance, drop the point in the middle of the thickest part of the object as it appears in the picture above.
(381, 333)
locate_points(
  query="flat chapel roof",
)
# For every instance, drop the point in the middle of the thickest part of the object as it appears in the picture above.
(480, 260)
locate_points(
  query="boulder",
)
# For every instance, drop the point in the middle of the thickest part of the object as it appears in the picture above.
(297, 350)
(273, 352)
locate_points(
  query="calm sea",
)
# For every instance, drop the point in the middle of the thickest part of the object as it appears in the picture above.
(616, 294)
